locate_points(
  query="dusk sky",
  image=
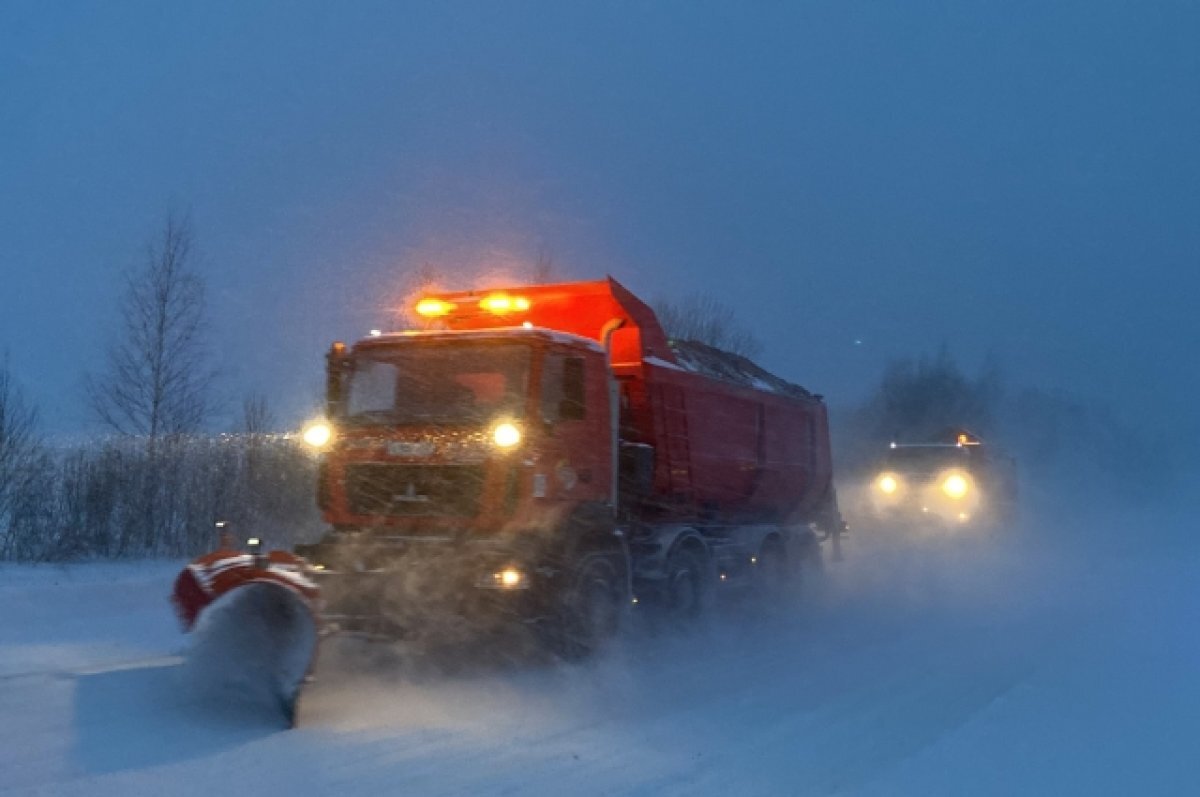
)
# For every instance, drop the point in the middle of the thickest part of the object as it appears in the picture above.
(860, 181)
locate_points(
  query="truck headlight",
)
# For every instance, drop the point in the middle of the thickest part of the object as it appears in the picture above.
(506, 435)
(317, 434)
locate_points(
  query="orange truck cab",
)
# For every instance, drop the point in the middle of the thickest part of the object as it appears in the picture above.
(545, 454)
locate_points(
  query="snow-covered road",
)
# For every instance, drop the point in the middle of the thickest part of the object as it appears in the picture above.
(1061, 658)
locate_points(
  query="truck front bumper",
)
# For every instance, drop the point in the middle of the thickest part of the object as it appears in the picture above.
(397, 588)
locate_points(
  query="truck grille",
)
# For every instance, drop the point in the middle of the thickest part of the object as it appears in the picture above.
(413, 490)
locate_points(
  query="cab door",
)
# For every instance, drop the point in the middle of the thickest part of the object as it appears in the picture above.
(576, 461)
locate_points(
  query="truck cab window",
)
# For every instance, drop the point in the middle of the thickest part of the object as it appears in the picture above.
(562, 388)
(460, 383)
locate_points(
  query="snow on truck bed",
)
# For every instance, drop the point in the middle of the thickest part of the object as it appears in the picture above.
(729, 367)
(1060, 658)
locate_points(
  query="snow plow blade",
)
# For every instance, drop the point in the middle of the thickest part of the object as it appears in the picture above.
(253, 621)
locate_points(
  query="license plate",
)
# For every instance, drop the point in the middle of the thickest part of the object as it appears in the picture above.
(406, 448)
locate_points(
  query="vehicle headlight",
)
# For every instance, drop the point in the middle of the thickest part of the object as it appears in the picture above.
(956, 485)
(506, 435)
(888, 483)
(317, 434)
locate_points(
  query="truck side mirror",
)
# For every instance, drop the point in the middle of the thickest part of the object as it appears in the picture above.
(337, 365)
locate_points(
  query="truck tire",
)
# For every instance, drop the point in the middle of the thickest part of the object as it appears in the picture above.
(594, 606)
(688, 591)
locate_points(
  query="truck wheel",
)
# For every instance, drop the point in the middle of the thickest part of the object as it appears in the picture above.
(688, 591)
(594, 606)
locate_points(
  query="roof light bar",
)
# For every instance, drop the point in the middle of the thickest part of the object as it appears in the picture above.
(432, 308)
(501, 303)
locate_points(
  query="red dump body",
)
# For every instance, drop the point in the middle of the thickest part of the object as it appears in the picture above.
(732, 442)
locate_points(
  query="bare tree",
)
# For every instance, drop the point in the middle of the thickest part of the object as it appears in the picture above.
(23, 462)
(705, 319)
(158, 377)
(918, 399)
(18, 420)
(257, 418)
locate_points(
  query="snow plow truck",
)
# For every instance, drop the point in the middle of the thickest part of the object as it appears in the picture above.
(545, 456)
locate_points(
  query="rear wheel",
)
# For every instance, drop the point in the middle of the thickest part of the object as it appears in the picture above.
(689, 586)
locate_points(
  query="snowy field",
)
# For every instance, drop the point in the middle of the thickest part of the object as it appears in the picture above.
(1060, 657)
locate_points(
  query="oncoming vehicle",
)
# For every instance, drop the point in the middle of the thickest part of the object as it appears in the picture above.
(957, 481)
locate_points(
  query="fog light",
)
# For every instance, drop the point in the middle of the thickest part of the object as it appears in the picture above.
(508, 578)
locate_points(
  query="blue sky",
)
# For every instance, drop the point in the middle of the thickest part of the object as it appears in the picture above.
(859, 180)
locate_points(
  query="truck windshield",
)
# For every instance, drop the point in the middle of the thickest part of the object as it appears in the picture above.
(422, 383)
(927, 458)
